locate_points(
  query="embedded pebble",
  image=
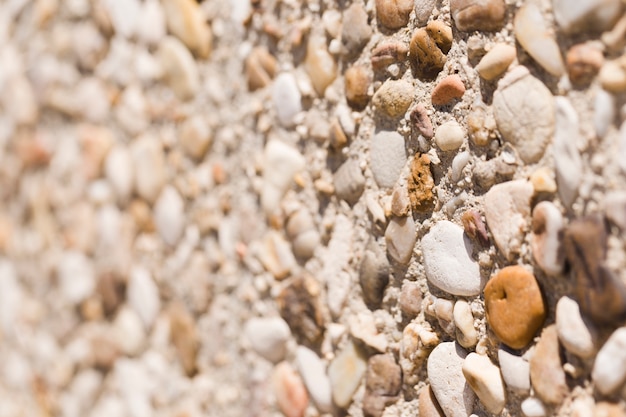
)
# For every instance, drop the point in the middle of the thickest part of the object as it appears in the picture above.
(356, 31)
(481, 124)
(299, 304)
(387, 157)
(604, 111)
(149, 167)
(261, 68)
(388, 53)
(612, 75)
(374, 274)
(543, 180)
(400, 202)
(514, 306)
(276, 256)
(445, 373)
(143, 295)
(319, 64)
(179, 68)
(363, 329)
(586, 15)
(118, 168)
(290, 392)
(474, 226)
(533, 407)
(169, 215)
(20, 101)
(313, 373)
(507, 206)
(482, 15)
(441, 34)
(515, 371)
(421, 121)
(151, 25)
(400, 238)
(357, 80)
(444, 311)
(546, 371)
(607, 409)
(281, 162)
(583, 62)
(525, 113)
(393, 14)
(186, 21)
(449, 136)
(410, 300)
(349, 181)
(485, 379)
(425, 55)
(495, 62)
(383, 382)
(128, 331)
(345, 373)
(421, 184)
(184, 336)
(393, 98)
(195, 137)
(574, 334)
(447, 90)
(609, 368)
(427, 404)
(567, 159)
(448, 260)
(303, 234)
(76, 276)
(268, 337)
(466, 334)
(286, 98)
(423, 10)
(545, 243)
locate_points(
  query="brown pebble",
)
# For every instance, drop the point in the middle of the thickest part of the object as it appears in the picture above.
(393, 14)
(421, 121)
(387, 53)
(474, 226)
(421, 184)
(515, 307)
(441, 34)
(337, 136)
(410, 299)
(546, 371)
(261, 68)
(300, 306)
(482, 15)
(428, 405)
(357, 80)
(426, 57)
(383, 381)
(184, 336)
(400, 202)
(447, 90)
(583, 62)
(291, 394)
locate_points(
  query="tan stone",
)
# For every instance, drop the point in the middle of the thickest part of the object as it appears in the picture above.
(426, 57)
(483, 15)
(441, 34)
(496, 61)
(583, 62)
(357, 81)
(421, 184)
(186, 21)
(546, 370)
(393, 14)
(393, 98)
(447, 90)
(261, 67)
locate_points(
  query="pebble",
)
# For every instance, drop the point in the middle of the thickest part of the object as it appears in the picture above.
(426, 56)
(515, 371)
(533, 407)
(357, 80)
(345, 373)
(543, 180)
(374, 275)
(128, 331)
(393, 14)
(268, 337)
(400, 204)
(514, 306)
(400, 238)
(281, 162)
(615, 208)
(410, 300)
(444, 309)
(276, 256)
(123, 17)
(286, 98)
(495, 62)
(574, 334)
(184, 336)
(195, 137)
(448, 260)
(118, 168)
(151, 25)
(485, 379)
(393, 98)
(76, 276)
(319, 64)
(421, 121)
(303, 234)
(421, 184)
(532, 32)
(149, 167)
(525, 113)
(261, 68)
(313, 373)
(607, 409)
(609, 368)
(383, 382)
(545, 242)
(169, 215)
(482, 15)
(388, 53)
(507, 206)
(612, 75)
(481, 124)
(131, 111)
(387, 157)
(567, 159)
(363, 329)
(604, 113)
(583, 61)
(349, 181)
(356, 31)
(20, 101)
(546, 371)
(186, 21)
(449, 136)
(300, 306)
(447, 90)
(445, 373)
(615, 39)
(466, 334)
(586, 15)
(427, 404)
(474, 226)
(290, 391)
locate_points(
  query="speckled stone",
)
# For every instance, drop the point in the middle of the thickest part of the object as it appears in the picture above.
(447, 90)
(300, 306)
(546, 371)
(421, 184)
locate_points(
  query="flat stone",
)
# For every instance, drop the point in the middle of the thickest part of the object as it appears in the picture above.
(357, 82)
(393, 14)
(149, 163)
(421, 184)
(449, 136)
(291, 394)
(349, 181)
(425, 55)
(400, 237)
(515, 371)
(546, 370)
(393, 98)
(143, 295)
(586, 15)
(448, 260)
(387, 157)
(445, 373)
(319, 63)
(356, 31)
(268, 337)
(179, 67)
(485, 379)
(313, 372)
(583, 62)
(427, 404)
(495, 62)
(514, 306)
(374, 274)
(545, 243)
(482, 15)
(345, 373)
(186, 21)
(383, 382)
(447, 90)
(286, 98)
(507, 206)
(300, 306)
(280, 164)
(421, 121)
(574, 334)
(466, 333)
(567, 159)
(169, 215)
(525, 113)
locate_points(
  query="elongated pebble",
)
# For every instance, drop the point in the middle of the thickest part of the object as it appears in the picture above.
(286, 98)
(567, 159)
(496, 61)
(400, 237)
(574, 334)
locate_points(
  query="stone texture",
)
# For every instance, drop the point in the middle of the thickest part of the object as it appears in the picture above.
(410, 301)
(447, 90)
(383, 382)
(374, 274)
(300, 306)
(612, 75)
(345, 373)
(261, 68)
(441, 34)
(474, 226)
(280, 163)
(76, 276)
(427, 404)
(495, 62)
(268, 337)
(574, 334)
(466, 333)
(545, 243)
(169, 215)
(286, 98)
(445, 374)
(393, 14)
(546, 371)
(609, 368)
(184, 336)
(485, 379)
(195, 137)
(483, 15)
(421, 184)
(387, 157)
(143, 295)
(400, 237)
(387, 53)
(149, 164)
(393, 98)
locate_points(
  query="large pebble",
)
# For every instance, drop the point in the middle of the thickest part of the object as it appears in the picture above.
(76, 276)
(393, 14)
(383, 382)
(313, 373)
(356, 31)
(426, 56)
(319, 64)
(374, 274)
(515, 371)
(448, 260)
(524, 111)
(567, 159)
(485, 379)
(449, 136)
(586, 15)
(169, 215)
(496, 61)
(143, 295)
(514, 306)
(546, 371)
(483, 15)
(149, 167)
(507, 206)
(268, 337)
(545, 243)
(445, 372)
(349, 181)
(345, 373)
(280, 163)
(575, 335)
(179, 68)
(400, 237)
(290, 392)
(286, 98)
(185, 19)
(609, 369)
(393, 98)
(387, 157)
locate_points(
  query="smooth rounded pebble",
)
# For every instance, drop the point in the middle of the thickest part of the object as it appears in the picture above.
(546, 370)
(421, 121)
(268, 337)
(149, 163)
(393, 98)
(485, 379)
(448, 261)
(449, 136)
(482, 15)
(515, 371)
(514, 306)
(466, 334)
(169, 215)
(533, 407)
(313, 373)
(545, 242)
(179, 67)
(357, 82)
(428, 405)
(356, 30)
(280, 163)
(76, 276)
(290, 392)
(445, 373)
(387, 157)
(400, 238)
(143, 295)
(612, 75)
(574, 334)
(383, 382)
(349, 181)
(609, 369)
(496, 61)
(186, 21)
(345, 373)
(447, 90)
(374, 275)
(286, 98)
(319, 63)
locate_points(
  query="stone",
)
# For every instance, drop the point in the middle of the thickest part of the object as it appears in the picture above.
(128, 331)
(169, 215)
(300, 306)
(143, 295)
(388, 53)
(604, 113)
(485, 379)
(357, 83)
(524, 110)
(545, 242)
(427, 404)
(441, 34)
(393, 98)
(425, 55)
(118, 169)
(445, 373)
(268, 337)
(374, 275)
(131, 111)
(393, 14)
(574, 334)
(495, 62)
(583, 62)
(400, 204)
(20, 101)
(281, 162)
(533, 407)
(507, 206)
(421, 121)
(474, 226)
(345, 373)
(195, 137)
(290, 392)
(184, 336)
(387, 157)
(515, 371)
(448, 260)
(466, 334)
(276, 256)
(363, 329)
(543, 181)
(383, 382)
(514, 306)
(609, 368)
(313, 372)
(149, 167)
(286, 98)
(482, 15)
(356, 31)
(151, 25)
(447, 90)
(76, 276)
(410, 300)
(423, 10)
(400, 237)
(615, 208)
(186, 21)
(612, 75)
(532, 32)
(303, 234)
(349, 181)
(567, 159)
(615, 39)
(261, 68)
(415, 345)
(319, 63)
(449, 136)
(421, 184)
(481, 124)
(586, 15)
(607, 409)
(546, 371)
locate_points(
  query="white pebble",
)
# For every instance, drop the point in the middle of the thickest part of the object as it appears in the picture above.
(387, 157)
(313, 373)
(280, 164)
(345, 373)
(575, 335)
(609, 369)
(118, 168)
(545, 240)
(449, 136)
(179, 67)
(268, 337)
(604, 112)
(128, 331)
(169, 215)
(515, 371)
(458, 163)
(143, 295)
(484, 378)
(149, 164)
(467, 336)
(533, 407)
(151, 25)
(581, 15)
(286, 98)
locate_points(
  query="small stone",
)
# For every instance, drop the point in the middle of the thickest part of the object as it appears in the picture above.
(423, 10)
(349, 181)
(393, 98)
(543, 181)
(474, 226)
(151, 25)
(184, 336)
(118, 168)
(448, 261)
(606, 409)
(268, 337)
(363, 329)
(615, 39)
(447, 90)
(615, 208)
(613, 75)
(546, 371)
(515, 371)
(387, 157)
(444, 312)
(533, 407)
(445, 373)
(383, 382)
(388, 53)
(276, 256)
(507, 206)
(574, 334)
(426, 56)
(421, 121)
(290, 392)
(466, 334)
(169, 215)
(400, 238)
(303, 234)
(20, 101)
(609, 368)
(261, 68)
(131, 110)
(415, 345)
(337, 136)
(281, 162)
(186, 21)
(496, 61)
(195, 137)
(525, 113)
(567, 159)
(427, 404)
(345, 373)
(583, 60)
(545, 243)
(514, 306)
(482, 15)
(449, 136)
(410, 301)
(286, 98)
(143, 295)
(300, 306)
(374, 275)
(421, 184)
(149, 166)
(128, 331)
(481, 125)
(356, 31)
(357, 81)
(485, 379)
(76, 276)
(313, 373)
(586, 15)
(400, 202)
(393, 14)
(319, 64)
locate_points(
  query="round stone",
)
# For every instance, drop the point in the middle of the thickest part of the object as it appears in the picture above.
(449, 136)
(393, 98)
